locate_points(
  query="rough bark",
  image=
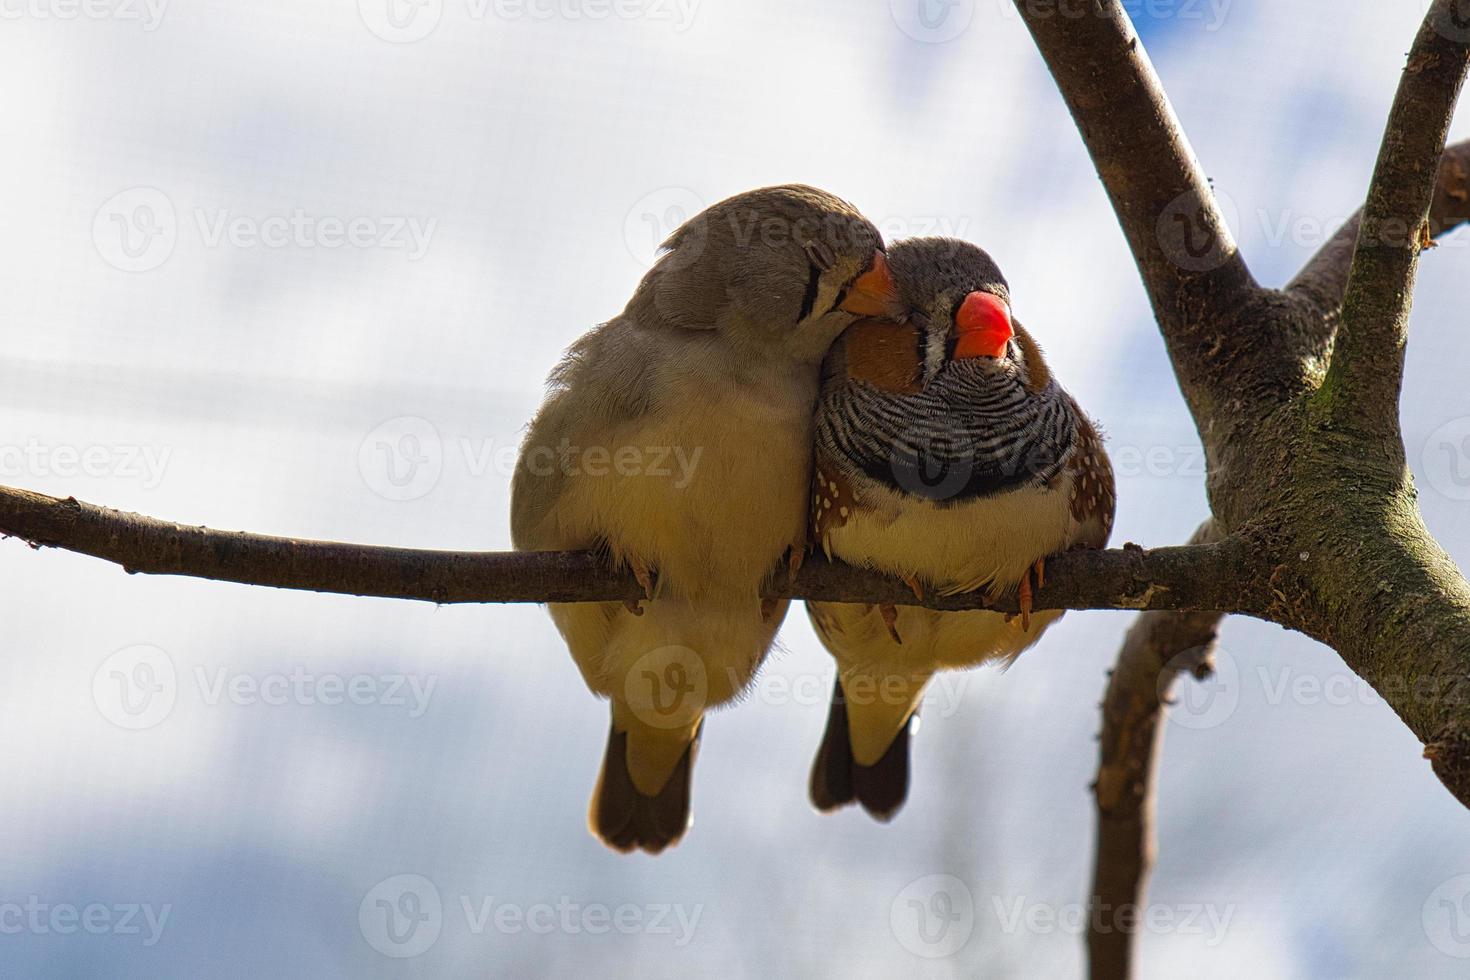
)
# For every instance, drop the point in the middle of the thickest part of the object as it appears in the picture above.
(1126, 578)
(1295, 395)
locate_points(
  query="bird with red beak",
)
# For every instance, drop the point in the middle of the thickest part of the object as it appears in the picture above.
(949, 456)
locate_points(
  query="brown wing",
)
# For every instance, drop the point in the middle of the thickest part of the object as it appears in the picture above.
(833, 500)
(1094, 494)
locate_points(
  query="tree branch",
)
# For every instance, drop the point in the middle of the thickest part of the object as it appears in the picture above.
(1159, 647)
(1212, 576)
(1186, 255)
(1366, 372)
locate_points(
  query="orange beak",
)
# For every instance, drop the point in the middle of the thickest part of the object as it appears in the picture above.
(982, 326)
(873, 292)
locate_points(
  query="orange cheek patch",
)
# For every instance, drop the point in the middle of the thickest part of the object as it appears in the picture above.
(884, 354)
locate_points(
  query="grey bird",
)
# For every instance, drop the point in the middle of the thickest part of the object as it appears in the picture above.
(949, 456)
(715, 360)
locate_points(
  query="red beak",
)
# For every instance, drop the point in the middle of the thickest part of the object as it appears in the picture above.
(983, 326)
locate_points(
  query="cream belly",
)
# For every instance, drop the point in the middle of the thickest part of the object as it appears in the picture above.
(712, 534)
(990, 541)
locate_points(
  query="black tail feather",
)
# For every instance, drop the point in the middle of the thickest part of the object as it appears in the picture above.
(838, 780)
(626, 819)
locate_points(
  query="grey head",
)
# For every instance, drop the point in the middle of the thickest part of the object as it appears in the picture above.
(952, 400)
(777, 271)
(957, 299)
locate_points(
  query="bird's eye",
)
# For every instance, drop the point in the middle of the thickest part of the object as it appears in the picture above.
(820, 255)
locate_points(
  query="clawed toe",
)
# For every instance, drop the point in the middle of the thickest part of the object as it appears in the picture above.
(644, 577)
(1026, 595)
(889, 613)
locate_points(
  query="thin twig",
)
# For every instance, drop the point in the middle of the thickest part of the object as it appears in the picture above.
(1159, 647)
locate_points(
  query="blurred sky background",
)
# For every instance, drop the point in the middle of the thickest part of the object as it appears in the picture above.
(170, 747)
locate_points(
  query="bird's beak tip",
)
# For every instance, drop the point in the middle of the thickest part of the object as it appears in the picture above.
(873, 293)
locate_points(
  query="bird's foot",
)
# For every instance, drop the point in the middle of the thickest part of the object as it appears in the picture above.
(794, 558)
(643, 575)
(633, 606)
(915, 586)
(889, 613)
(1026, 595)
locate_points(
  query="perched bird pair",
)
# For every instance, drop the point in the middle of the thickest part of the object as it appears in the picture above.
(722, 350)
